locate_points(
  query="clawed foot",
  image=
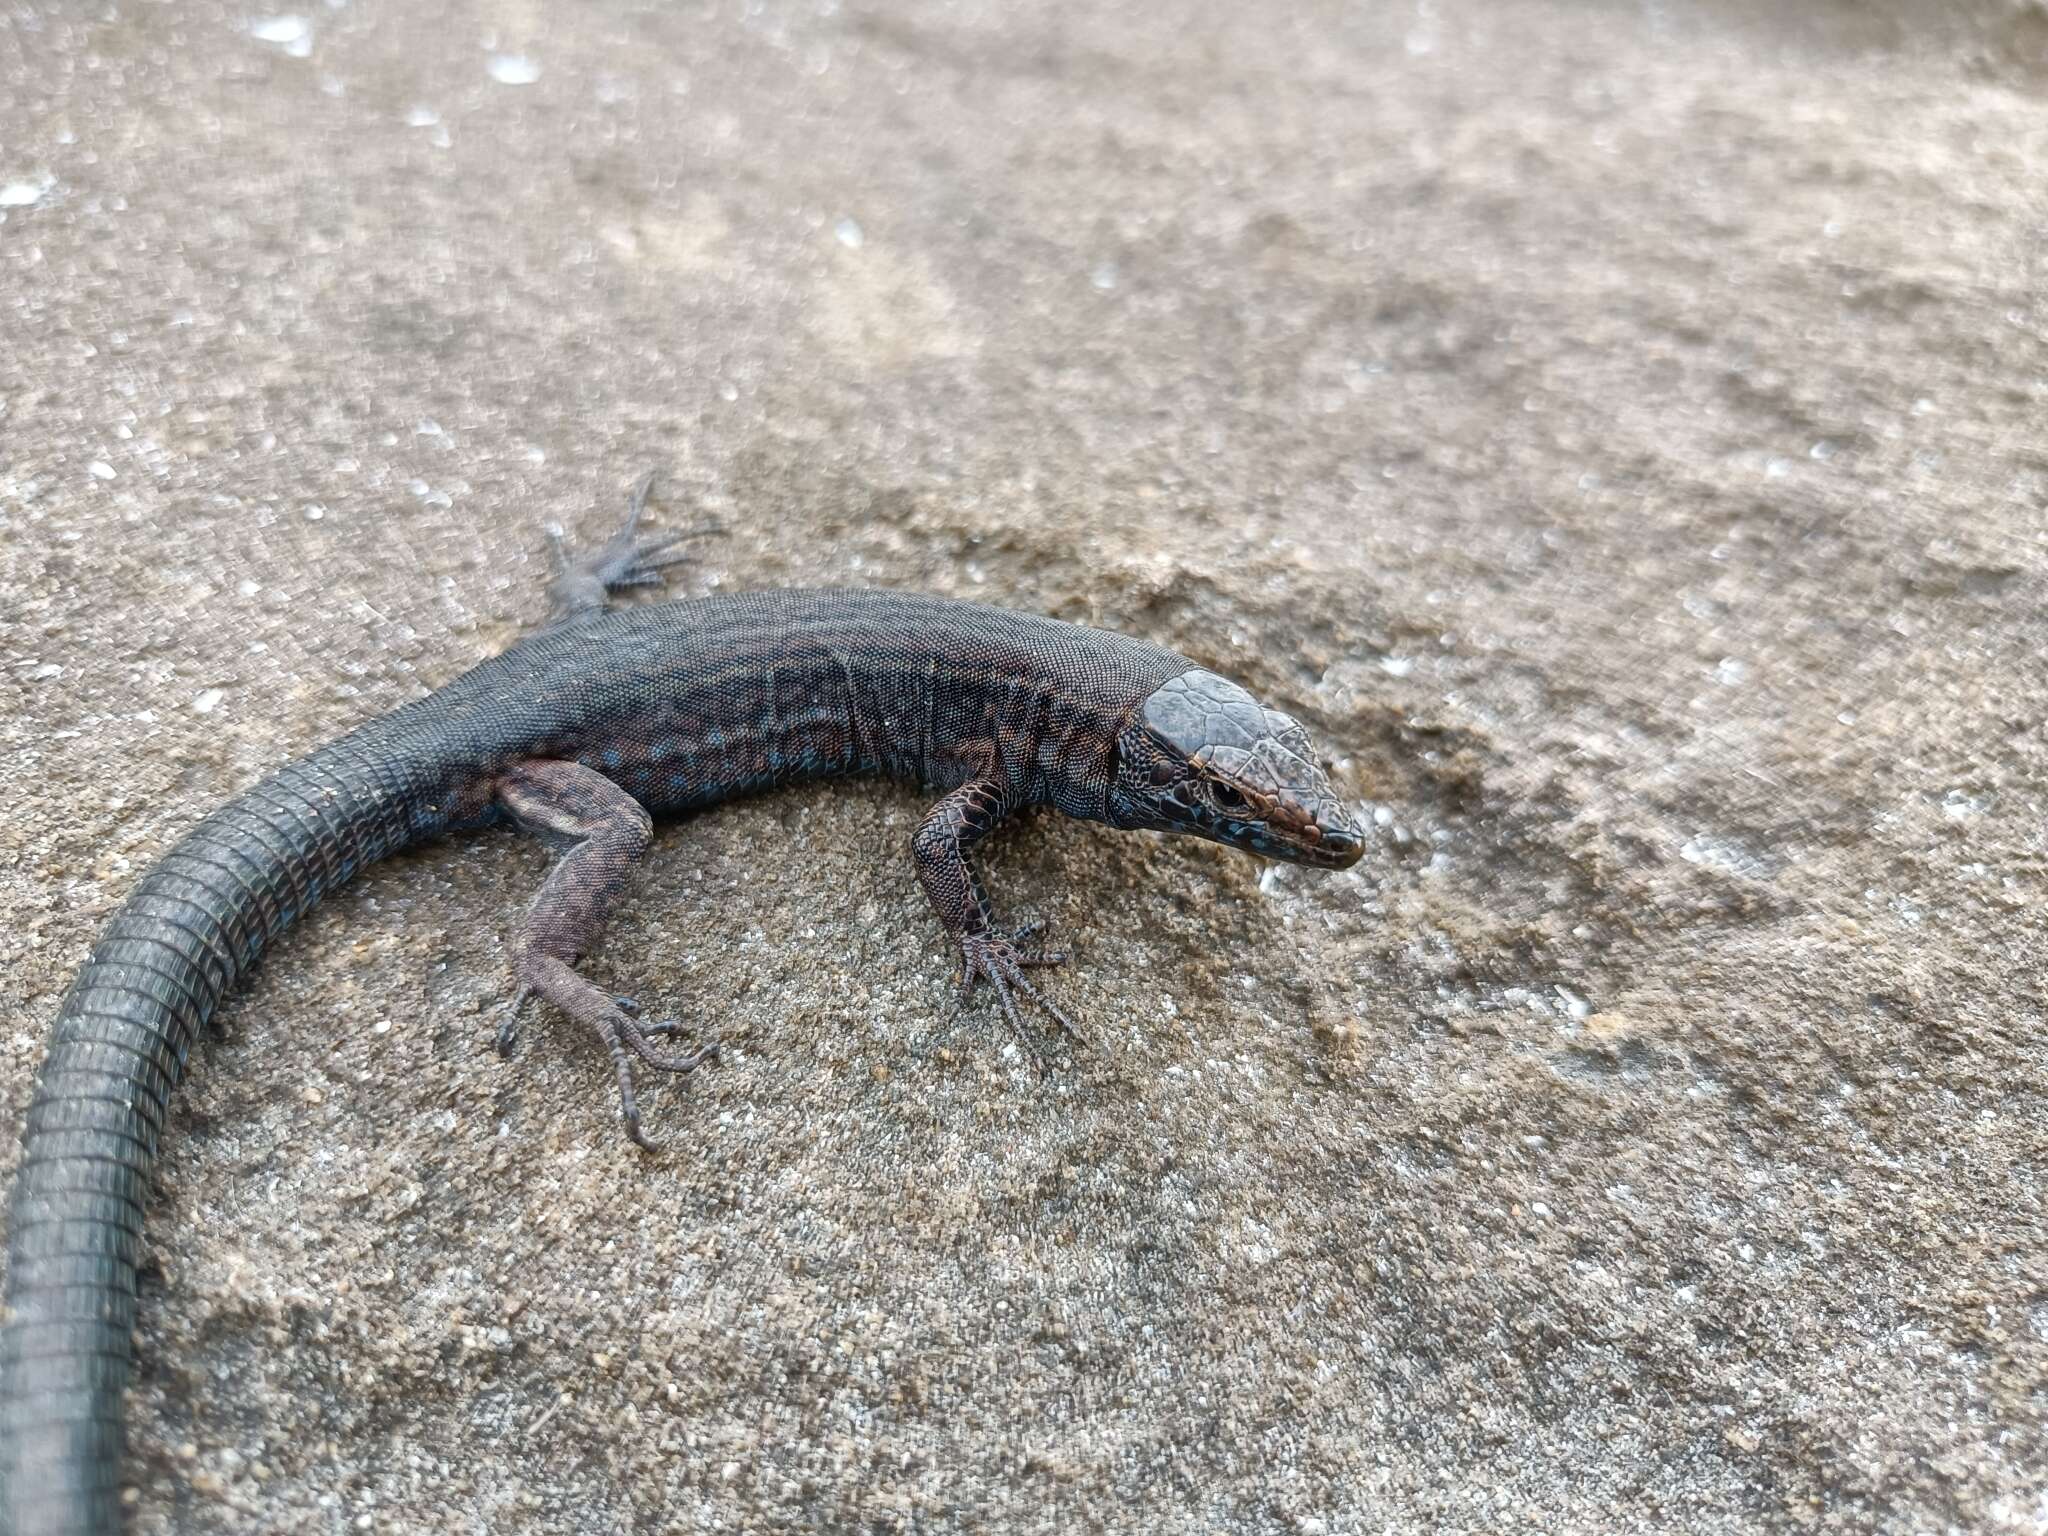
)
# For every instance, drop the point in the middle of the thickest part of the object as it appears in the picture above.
(628, 1034)
(625, 1038)
(1001, 960)
(584, 581)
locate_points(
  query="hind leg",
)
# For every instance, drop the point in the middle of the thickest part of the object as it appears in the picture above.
(585, 580)
(601, 831)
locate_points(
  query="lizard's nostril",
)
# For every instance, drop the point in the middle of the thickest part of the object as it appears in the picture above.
(1340, 841)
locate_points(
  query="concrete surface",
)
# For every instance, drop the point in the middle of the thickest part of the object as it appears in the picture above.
(1617, 429)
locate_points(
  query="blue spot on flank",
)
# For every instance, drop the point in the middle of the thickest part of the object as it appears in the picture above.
(676, 782)
(660, 747)
(613, 757)
(715, 739)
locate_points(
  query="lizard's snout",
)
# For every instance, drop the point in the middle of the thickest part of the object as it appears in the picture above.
(1341, 841)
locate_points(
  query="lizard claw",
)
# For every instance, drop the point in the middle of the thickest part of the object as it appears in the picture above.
(508, 1031)
(584, 581)
(630, 1007)
(1035, 955)
(996, 958)
(625, 1037)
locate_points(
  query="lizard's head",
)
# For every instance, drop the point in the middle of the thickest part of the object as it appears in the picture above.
(1203, 756)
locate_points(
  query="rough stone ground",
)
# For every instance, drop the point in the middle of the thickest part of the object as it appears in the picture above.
(1617, 429)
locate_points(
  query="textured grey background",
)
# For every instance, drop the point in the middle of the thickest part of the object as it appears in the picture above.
(1617, 429)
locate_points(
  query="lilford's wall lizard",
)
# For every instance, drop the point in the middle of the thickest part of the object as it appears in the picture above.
(578, 734)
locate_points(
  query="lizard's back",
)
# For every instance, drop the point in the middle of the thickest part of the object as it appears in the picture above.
(688, 703)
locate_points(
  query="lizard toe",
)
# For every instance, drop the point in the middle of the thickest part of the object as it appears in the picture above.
(995, 958)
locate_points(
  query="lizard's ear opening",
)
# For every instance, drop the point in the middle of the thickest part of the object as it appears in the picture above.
(1140, 768)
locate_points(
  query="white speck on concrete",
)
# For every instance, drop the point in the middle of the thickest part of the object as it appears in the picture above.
(27, 192)
(513, 69)
(280, 29)
(294, 34)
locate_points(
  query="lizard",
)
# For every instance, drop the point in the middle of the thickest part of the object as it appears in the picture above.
(581, 733)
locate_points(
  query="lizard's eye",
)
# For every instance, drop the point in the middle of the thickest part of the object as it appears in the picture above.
(1228, 800)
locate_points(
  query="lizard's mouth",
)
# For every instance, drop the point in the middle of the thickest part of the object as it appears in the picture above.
(1327, 838)
(1332, 844)
(1324, 835)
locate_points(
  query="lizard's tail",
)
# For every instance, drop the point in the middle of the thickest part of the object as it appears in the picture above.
(193, 926)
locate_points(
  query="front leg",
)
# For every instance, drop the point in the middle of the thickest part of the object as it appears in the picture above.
(940, 845)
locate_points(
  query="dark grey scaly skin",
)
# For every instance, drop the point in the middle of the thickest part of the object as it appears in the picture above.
(580, 734)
